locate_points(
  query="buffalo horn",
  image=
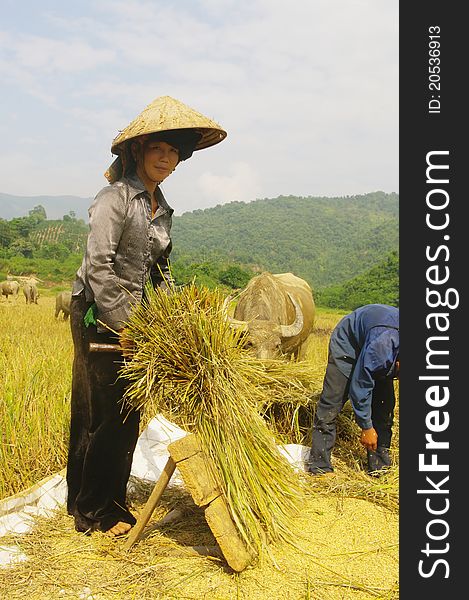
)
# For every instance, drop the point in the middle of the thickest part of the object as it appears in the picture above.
(237, 324)
(233, 322)
(287, 331)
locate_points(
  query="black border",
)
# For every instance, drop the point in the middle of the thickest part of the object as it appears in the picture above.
(422, 132)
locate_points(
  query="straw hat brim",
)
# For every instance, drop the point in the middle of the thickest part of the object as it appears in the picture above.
(168, 114)
(164, 114)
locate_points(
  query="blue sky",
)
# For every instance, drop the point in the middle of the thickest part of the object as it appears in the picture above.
(307, 91)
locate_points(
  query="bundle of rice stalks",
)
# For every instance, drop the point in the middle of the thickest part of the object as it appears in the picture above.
(190, 365)
(287, 394)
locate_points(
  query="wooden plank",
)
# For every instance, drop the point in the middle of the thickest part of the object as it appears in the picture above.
(198, 474)
(196, 469)
(198, 479)
(152, 501)
(226, 533)
(184, 447)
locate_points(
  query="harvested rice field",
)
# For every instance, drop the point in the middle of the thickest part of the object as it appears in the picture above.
(348, 548)
(347, 529)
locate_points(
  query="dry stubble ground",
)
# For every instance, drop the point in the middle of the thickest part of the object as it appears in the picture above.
(347, 548)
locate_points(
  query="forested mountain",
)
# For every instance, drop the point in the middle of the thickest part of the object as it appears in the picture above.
(55, 206)
(323, 240)
(327, 241)
(378, 285)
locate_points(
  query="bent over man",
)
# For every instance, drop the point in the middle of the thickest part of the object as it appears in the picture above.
(362, 363)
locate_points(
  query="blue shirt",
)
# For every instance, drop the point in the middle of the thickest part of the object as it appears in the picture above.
(364, 345)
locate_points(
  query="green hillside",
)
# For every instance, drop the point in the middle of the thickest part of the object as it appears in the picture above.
(330, 242)
(378, 285)
(324, 240)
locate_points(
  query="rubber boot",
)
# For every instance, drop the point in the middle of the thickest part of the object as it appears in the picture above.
(379, 461)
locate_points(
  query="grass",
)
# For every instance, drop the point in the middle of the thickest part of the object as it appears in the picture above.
(35, 381)
(35, 372)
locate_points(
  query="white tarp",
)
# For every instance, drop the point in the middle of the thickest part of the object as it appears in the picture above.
(17, 512)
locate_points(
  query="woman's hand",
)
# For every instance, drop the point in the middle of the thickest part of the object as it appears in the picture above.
(369, 438)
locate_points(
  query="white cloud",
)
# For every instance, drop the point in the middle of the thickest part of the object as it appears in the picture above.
(307, 92)
(43, 55)
(240, 184)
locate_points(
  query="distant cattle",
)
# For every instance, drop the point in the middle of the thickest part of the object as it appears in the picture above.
(9, 288)
(62, 304)
(30, 292)
(278, 313)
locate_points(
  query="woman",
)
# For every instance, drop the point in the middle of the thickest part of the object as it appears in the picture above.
(128, 244)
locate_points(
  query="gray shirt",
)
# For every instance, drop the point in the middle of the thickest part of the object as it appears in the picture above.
(126, 248)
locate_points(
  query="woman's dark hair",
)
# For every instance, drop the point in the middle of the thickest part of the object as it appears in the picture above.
(185, 140)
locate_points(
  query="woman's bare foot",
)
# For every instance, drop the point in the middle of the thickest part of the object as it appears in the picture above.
(120, 528)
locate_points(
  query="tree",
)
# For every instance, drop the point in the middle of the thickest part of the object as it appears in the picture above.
(22, 247)
(56, 251)
(70, 217)
(39, 212)
(235, 277)
(22, 226)
(6, 234)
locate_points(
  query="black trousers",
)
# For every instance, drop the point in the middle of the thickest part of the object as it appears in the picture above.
(333, 397)
(102, 434)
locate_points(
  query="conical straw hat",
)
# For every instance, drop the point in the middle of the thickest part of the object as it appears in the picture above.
(166, 113)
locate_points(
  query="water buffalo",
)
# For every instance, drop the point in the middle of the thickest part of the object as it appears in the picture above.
(9, 288)
(30, 292)
(278, 313)
(62, 304)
